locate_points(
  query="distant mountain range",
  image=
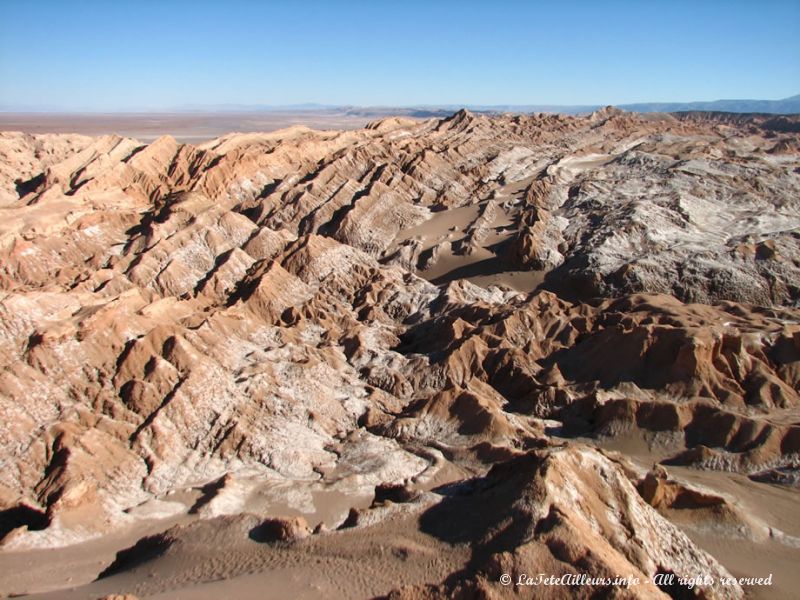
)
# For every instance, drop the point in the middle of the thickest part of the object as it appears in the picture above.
(785, 106)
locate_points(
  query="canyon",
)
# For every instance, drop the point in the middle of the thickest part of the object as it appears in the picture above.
(403, 360)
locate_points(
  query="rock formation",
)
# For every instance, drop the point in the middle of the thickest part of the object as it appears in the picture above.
(268, 327)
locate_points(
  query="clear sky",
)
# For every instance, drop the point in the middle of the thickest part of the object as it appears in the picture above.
(148, 54)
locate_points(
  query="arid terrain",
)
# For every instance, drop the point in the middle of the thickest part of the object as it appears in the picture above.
(406, 361)
(187, 126)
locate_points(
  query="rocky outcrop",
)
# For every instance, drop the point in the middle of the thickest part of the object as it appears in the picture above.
(557, 510)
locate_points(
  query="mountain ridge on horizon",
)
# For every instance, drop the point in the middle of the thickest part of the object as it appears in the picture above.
(789, 105)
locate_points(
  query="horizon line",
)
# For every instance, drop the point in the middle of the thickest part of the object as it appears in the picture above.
(311, 106)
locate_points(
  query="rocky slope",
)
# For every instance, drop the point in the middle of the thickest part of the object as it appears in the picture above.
(275, 324)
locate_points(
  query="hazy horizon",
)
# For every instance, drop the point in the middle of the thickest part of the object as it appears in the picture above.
(313, 106)
(150, 56)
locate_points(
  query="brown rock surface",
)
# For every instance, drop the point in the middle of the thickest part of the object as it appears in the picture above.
(269, 327)
(557, 510)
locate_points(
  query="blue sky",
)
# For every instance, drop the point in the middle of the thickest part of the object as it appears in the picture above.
(149, 54)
